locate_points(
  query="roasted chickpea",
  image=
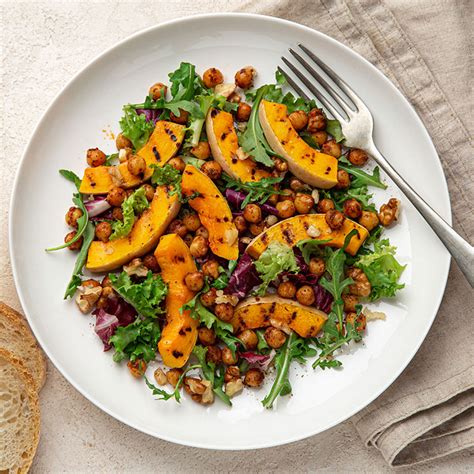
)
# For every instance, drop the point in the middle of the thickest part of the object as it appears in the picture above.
(252, 213)
(358, 157)
(256, 229)
(286, 209)
(177, 163)
(317, 266)
(303, 203)
(316, 120)
(231, 373)
(361, 285)
(244, 77)
(359, 322)
(224, 311)
(116, 196)
(207, 337)
(331, 147)
(334, 219)
(117, 213)
(389, 212)
(122, 142)
(350, 302)
(194, 281)
(240, 223)
(275, 337)
(188, 239)
(281, 166)
(249, 339)
(243, 112)
(157, 90)
(352, 208)
(210, 269)
(369, 219)
(173, 376)
(297, 185)
(203, 232)
(212, 77)
(202, 150)
(106, 282)
(305, 295)
(149, 192)
(270, 220)
(343, 179)
(227, 357)
(253, 378)
(191, 221)
(320, 137)
(325, 205)
(72, 215)
(178, 227)
(136, 165)
(77, 244)
(212, 169)
(182, 118)
(95, 157)
(273, 199)
(214, 354)
(199, 247)
(103, 231)
(287, 195)
(286, 289)
(137, 367)
(299, 119)
(208, 299)
(151, 263)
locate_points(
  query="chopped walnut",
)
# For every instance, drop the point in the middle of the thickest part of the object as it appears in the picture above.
(231, 235)
(313, 231)
(160, 377)
(241, 154)
(221, 297)
(116, 176)
(87, 297)
(225, 90)
(233, 387)
(136, 267)
(208, 395)
(280, 325)
(124, 154)
(374, 315)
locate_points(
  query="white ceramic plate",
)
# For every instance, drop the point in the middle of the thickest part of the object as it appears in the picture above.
(76, 120)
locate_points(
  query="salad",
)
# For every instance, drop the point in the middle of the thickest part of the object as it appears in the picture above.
(230, 236)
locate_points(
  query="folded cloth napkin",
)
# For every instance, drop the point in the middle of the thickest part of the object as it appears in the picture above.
(429, 411)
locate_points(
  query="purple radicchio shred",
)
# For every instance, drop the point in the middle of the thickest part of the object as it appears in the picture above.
(151, 115)
(257, 360)
(243, 278)
(323, 299)
(236, 198)
(97, 206)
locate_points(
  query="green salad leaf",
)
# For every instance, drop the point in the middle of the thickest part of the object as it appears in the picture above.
(311, 247)
(185, 83)
(361, 177)
(71, 176)
(135, 127)
(136, 203)
(333, 127)
(224, 275)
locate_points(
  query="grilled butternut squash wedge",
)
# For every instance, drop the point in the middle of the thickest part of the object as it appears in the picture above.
(306, 163)
(292, 230)
(162, 145)
(224, 145)
(254, 313)
(106, 256)
(213, 211)
(180, 332)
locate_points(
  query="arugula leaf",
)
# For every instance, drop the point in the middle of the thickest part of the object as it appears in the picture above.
(310, 247)
(279, 77)
(168, 176)
(224, 275)
(135, 127)
(308, 138)
(333, 127)
(71, 176)
(145, 296)
(262, 346)
(75, 281)
(136, 203)
(185, 83)
(109, 161)
(361, 177)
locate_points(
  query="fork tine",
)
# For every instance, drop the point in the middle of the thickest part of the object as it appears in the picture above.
(315, 91)
(294, 85)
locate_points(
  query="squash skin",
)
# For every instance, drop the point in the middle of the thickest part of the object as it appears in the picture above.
(213, 211)
(106, 256)
(224, 145)
(291, 231)
(166, 140)
(306, 163)
(180, 332)
(254, 313)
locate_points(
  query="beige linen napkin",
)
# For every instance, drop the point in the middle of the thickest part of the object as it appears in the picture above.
(429, 411)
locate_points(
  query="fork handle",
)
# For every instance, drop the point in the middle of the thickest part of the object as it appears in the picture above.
(459, 248)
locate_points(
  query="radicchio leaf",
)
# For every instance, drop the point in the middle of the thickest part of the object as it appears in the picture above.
(257, 360)
(151, 115)
(244, 278)
(236, 198)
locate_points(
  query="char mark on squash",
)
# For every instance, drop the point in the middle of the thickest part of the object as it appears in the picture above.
(177, 354)
(214, 113)
(173, 137)
(156, 153)
(287, 235)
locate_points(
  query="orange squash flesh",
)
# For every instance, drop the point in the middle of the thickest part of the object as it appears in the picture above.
(162, 145)
(180, 332)
(213, 211)
(254, 313)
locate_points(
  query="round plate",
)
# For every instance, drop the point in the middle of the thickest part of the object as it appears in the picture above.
(82, 116)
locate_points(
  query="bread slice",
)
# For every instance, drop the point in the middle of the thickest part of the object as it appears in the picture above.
(19, 415)
(16, 337)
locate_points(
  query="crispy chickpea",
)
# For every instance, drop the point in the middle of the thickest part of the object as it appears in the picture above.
(303, 203)
(136, 165)
(286, 209)
(137, 367)
(103, 231)
(244, 77)
(188, 239)
(202, 150)
(149, 192)
(361, 285)
(299, 119)
(253, 378)
(214, 354)
(182, 118)
(76, 245)
(106, 282)
(359, 322)
(212, 77)
(194, 281)
(358, 157)
(331, 147)
(208, 299)
(389, 212)
(199, 247)
(224, 311)
(334, 219)
(249, 339)
(350, 302)
(280, 165)
(273, 199)
(177, 227)
(151, 263)
(275, 337)
(203, 232)
(177, 163)
(227, 357)
(325, 205)
(191, 221)
(305, 295)
(270, 220)
(240, 223)
(122, 142)
(117, 213)
(231, 373)
(95, 157)
(287, 195)
(316, 120)
(210, 269)
(369, 219)
(207, 337)
(116, 196)
(320, 137)
(343, 179)
(234, 98)
(317, 266)
(212, 169)
(72, 215)
(296, 184)
(252, 213)
(256, 229)
(243, 112)
(352, 208)
(286, 289)
(173, 376)
(157, 90)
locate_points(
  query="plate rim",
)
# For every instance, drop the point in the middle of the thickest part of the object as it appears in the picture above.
(84, 70)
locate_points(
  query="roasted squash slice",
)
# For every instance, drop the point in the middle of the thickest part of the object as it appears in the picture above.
(306, 163)
(162, 145)
(292, 230)
(213, 211)
(254, 313)
(224, 145)
(106, 256)
(180, 332)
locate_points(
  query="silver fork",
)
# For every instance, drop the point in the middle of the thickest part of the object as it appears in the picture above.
(357, 127)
